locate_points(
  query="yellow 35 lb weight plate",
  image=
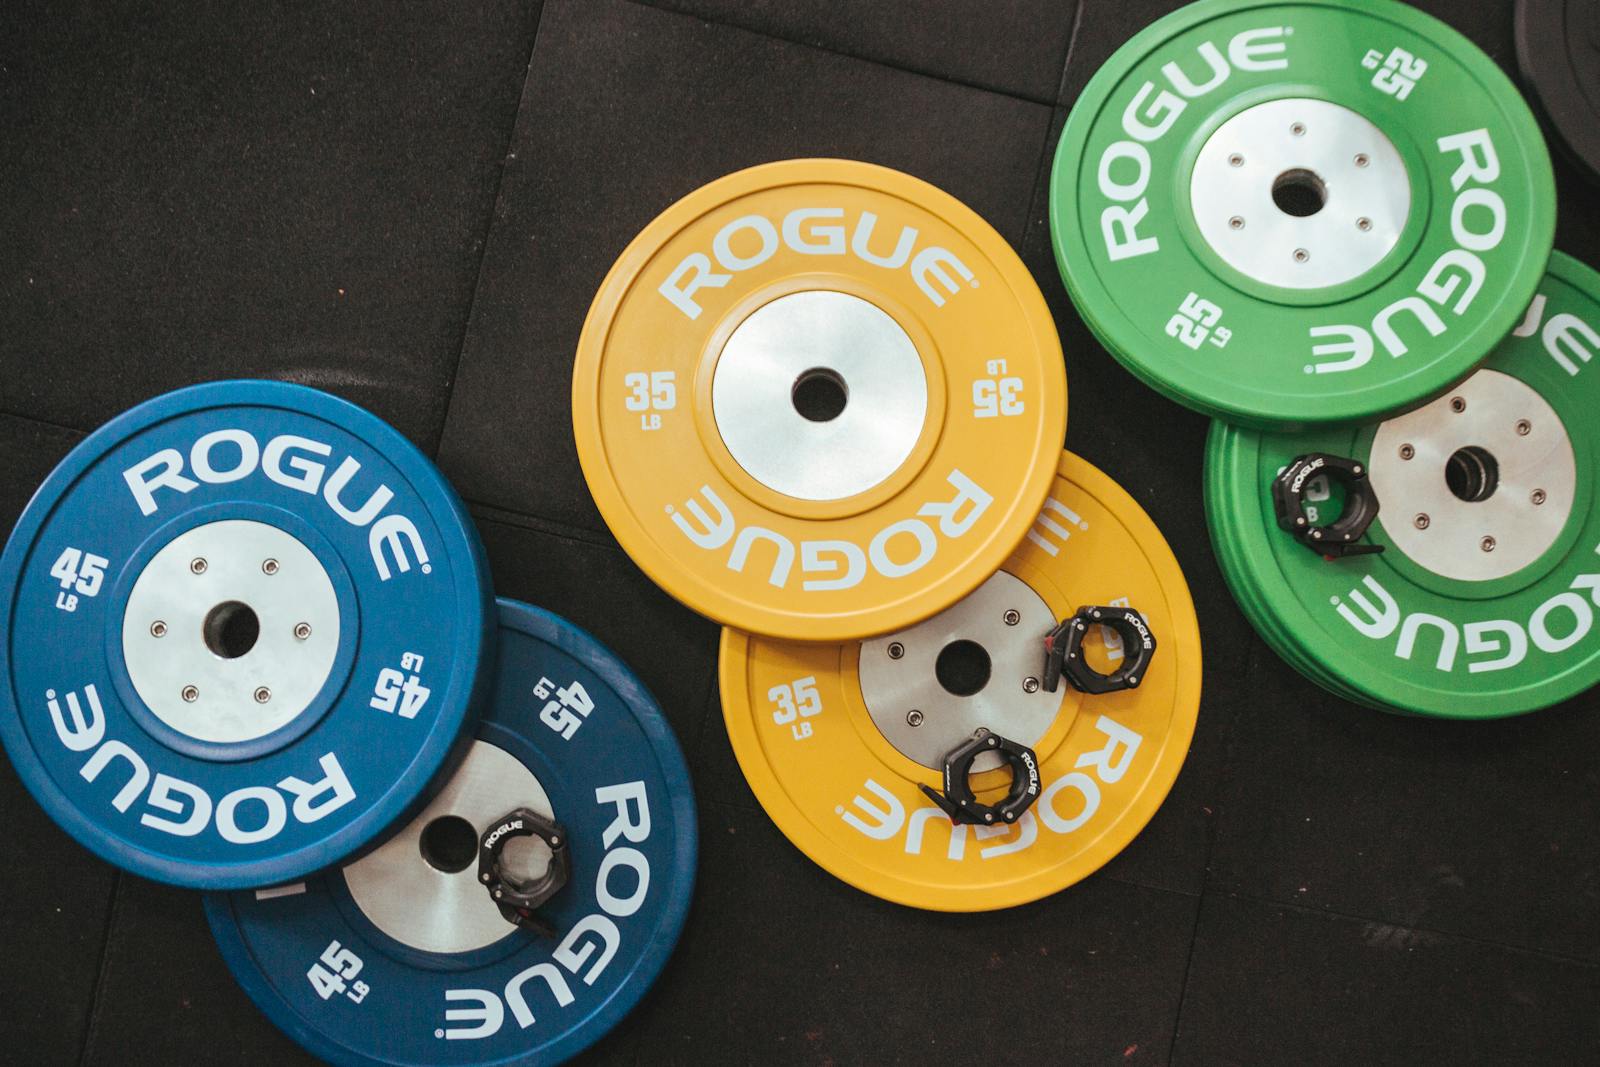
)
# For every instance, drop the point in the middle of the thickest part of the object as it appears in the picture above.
(838, 740)
(818, 399)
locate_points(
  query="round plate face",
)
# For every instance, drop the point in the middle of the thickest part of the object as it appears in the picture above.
(818, 399)
(1482, 602)
(835, 740)
(1284, 214)
(244, 627)
(402, 957)
(1558, 52)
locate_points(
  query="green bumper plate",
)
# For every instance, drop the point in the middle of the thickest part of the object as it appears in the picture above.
(1294, 214)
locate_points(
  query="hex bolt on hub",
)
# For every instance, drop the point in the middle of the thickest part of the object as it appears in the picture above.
(1407, 452)
(269, 566)
(158, 629)
(1012, 617)
(1030, 684)
(1524, 427)
(914, 717)
(302, 630)
(1421, 521)
(896, 650)
(263, 695)
(191, 694)
(197, 565)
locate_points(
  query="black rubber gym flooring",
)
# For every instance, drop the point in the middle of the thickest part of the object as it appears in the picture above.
(411, 206)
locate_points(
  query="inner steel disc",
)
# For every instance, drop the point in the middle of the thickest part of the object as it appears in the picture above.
(432, 910)
(1364, 188)
(1536, 477)
(895, 687)
(784, 340)
(210, 696)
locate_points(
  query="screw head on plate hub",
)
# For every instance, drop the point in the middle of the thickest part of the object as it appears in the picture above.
(818, 399)
(405, 956)
(1288, 214)
(248, 621)
(1482, 603)
(824, 734)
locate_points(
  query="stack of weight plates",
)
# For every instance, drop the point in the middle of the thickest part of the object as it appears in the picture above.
(822, 403)
(251, 648)
(1330, 227)
(1482, 600)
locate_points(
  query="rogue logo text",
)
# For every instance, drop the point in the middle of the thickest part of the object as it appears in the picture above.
(164, 470)
(695, 272)
(953, 518)
(81, 726)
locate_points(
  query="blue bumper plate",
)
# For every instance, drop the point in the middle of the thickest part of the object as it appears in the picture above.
(244, 627)
(402, 957)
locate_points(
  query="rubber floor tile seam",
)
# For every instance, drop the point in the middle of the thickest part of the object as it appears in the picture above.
(97, 1001)
(902, 67)
(1379, 923)
(506, 157)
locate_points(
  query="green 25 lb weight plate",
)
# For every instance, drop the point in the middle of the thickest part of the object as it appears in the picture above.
(1290, 214)
(1483, 599)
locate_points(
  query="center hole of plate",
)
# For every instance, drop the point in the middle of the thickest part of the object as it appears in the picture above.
(962, 668)
(231, 629)
(1299, 192)
(820, 394)
(449, 843)
(1472, 473)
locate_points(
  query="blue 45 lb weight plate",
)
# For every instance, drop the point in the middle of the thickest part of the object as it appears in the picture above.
(405, 957)
(245, 623)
